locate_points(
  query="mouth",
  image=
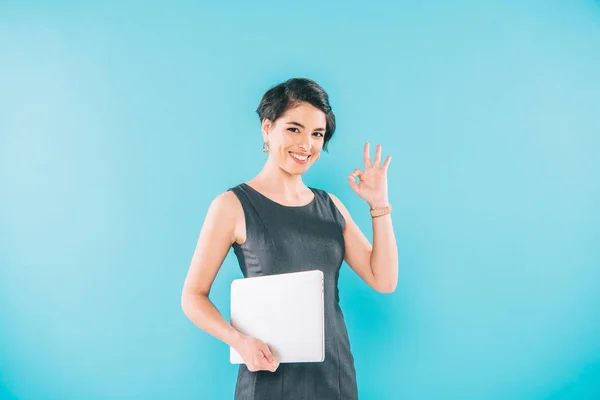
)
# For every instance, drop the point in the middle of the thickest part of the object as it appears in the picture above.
(299, 158)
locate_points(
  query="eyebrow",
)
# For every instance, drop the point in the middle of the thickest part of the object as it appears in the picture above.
(302, 126)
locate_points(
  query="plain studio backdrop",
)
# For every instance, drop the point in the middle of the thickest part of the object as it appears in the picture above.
(121, 121)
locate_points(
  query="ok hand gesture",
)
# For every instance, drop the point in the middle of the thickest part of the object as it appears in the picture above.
(373, 180)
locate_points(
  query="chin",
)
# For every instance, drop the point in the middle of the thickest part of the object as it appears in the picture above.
(293, 171)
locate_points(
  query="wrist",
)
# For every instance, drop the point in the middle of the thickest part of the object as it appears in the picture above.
(237, 338)
(379, 204)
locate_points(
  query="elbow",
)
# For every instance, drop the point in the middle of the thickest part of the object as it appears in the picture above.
(388, 281)
(387, 289)
(189, 300)
(186, 301)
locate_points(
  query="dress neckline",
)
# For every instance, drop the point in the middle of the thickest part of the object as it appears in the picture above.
(281, 205)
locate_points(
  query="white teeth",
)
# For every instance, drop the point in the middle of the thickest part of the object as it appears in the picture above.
(300, 158)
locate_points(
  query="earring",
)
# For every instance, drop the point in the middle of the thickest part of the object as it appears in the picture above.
(265, 147)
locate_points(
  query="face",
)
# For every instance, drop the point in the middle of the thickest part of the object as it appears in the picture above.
(298, 133)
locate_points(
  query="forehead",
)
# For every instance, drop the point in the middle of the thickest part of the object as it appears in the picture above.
(306, 114)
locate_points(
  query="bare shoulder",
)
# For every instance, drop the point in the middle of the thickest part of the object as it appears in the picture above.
(343, 210)
(218, 233)
(226, 199)
(228, 208)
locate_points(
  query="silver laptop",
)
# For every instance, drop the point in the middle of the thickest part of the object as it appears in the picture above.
(285, 311)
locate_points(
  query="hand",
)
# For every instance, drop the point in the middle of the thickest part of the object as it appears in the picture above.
(256, 355)
(373, 181)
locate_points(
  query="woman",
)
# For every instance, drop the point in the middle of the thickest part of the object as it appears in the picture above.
(276, 224)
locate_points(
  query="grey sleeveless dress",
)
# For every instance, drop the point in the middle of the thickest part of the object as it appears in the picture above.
(281, 239)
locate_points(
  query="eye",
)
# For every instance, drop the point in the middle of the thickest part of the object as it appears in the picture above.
(319, 133)
(292, 128)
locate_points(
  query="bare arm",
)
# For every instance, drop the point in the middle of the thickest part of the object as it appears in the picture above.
(215, 239)
(384, 253)
(376, 264)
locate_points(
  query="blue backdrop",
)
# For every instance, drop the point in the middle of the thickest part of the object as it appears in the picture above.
(121, 121)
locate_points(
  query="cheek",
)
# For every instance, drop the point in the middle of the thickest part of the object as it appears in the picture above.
(285, 143)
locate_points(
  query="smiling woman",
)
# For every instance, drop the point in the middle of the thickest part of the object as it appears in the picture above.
(276, 224)
(288, 139)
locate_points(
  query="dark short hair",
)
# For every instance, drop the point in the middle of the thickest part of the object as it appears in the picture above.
(280, 98)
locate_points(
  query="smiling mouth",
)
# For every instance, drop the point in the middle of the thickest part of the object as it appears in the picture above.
(299, 161)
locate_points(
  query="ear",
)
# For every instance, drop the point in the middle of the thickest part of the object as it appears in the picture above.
(266, 127)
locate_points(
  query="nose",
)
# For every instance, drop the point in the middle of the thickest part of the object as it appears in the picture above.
(304, 143)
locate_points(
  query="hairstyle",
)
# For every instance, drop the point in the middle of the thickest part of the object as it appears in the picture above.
(280, 98)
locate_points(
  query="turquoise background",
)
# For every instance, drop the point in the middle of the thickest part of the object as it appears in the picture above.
(121, 121)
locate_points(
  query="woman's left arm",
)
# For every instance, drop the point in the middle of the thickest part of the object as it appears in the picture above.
(376, 264)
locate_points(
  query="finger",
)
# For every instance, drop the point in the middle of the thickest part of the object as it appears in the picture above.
(268, 354)
(268, 366)
(274, 364)
(264, 363)
(387, 162)
(271, 366)
(259, 357)
(352, 181)
(257, 361)
(377, 160)
(269, 357)
(357, 172)
(366, 156)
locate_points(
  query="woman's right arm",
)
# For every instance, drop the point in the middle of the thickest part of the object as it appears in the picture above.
(216, 237)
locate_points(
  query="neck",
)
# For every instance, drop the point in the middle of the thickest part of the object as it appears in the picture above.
(276, 180)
